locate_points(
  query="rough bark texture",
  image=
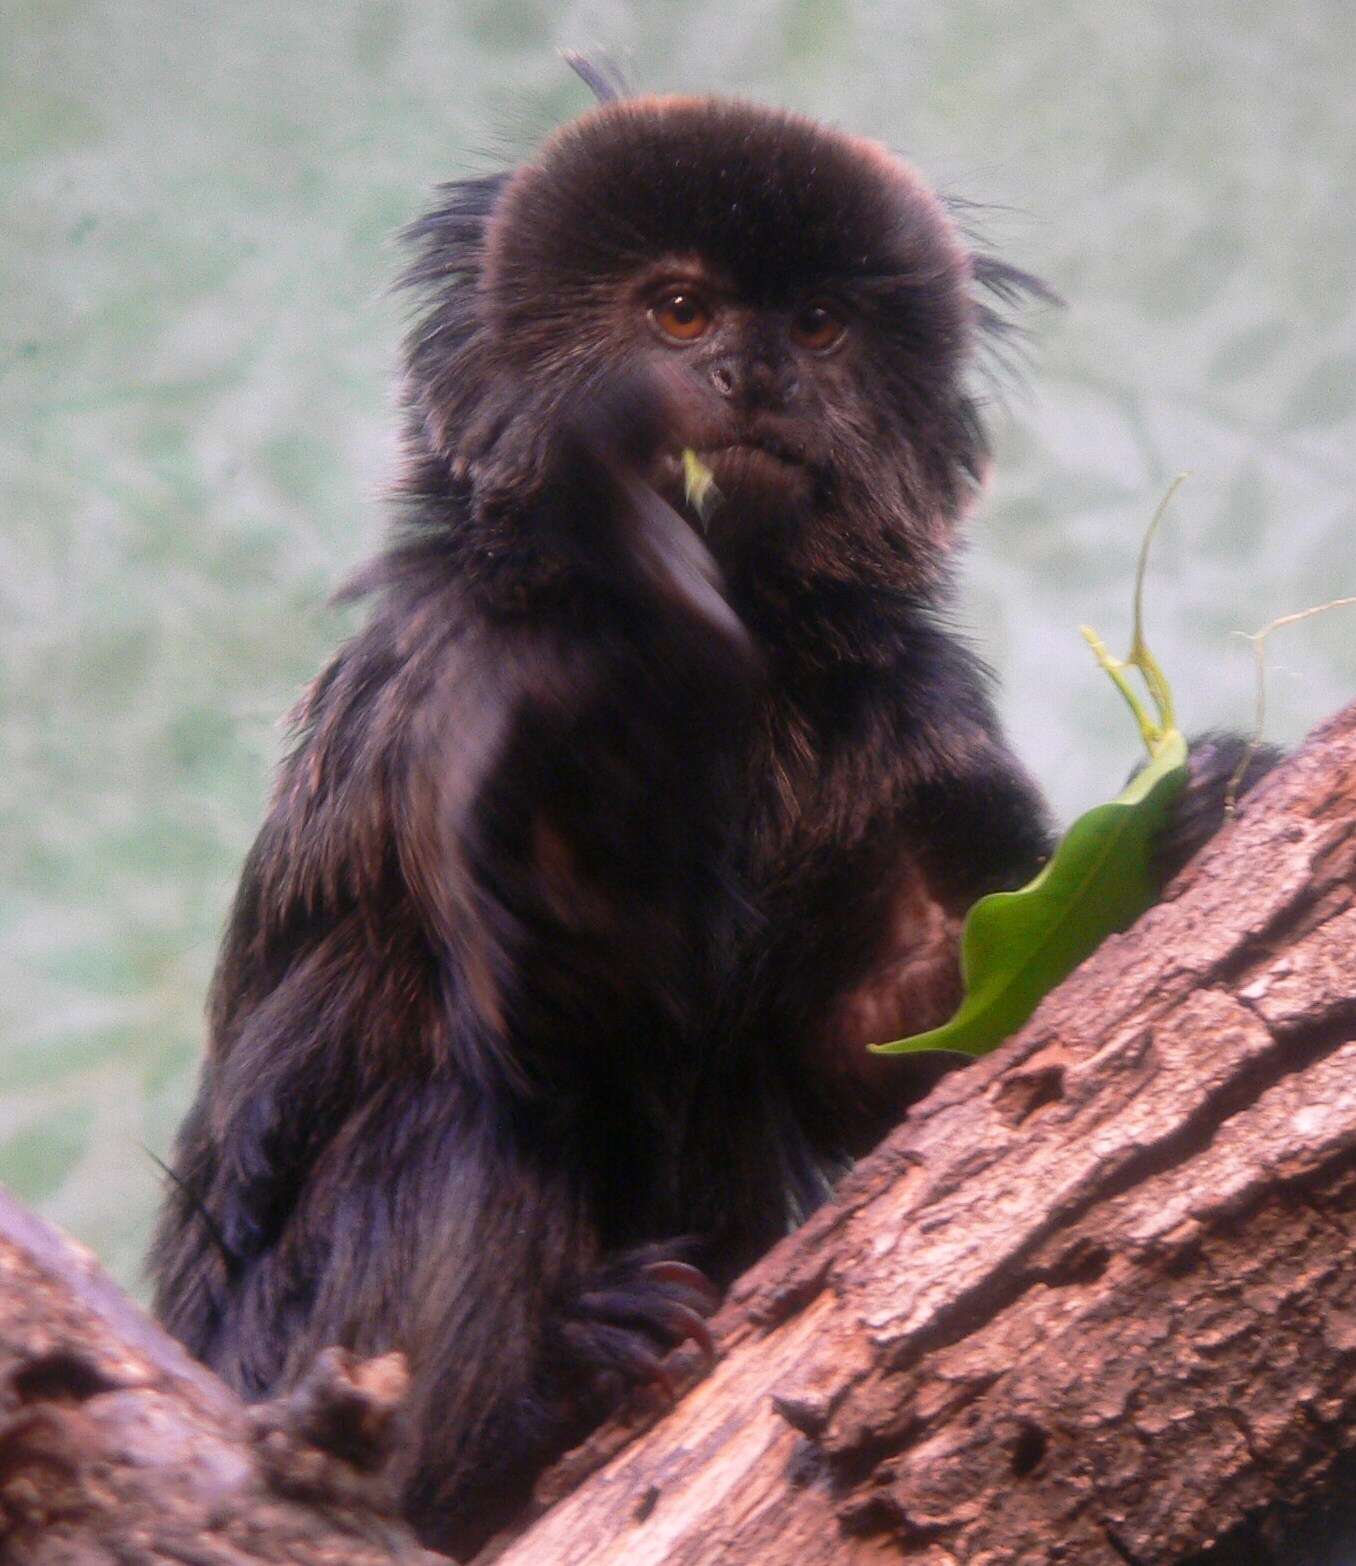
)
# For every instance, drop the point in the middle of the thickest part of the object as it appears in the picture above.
(1095, 1302)
(117, 1450)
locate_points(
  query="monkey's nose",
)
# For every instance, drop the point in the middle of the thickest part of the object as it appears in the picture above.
(756, 383)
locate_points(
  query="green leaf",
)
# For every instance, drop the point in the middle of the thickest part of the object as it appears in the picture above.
(1017, 946)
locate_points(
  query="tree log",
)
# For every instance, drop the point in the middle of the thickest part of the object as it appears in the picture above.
(1094, 1302)
(117, 1450)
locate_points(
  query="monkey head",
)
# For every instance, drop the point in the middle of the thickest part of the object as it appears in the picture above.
(803, 304)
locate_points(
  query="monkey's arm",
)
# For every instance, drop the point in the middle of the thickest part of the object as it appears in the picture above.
(582, 837)
(974, 823)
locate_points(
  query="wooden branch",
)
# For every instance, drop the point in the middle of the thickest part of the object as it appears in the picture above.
(1094, 1302)
(116, 1448)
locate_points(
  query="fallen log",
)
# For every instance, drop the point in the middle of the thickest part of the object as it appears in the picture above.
(117, 1450)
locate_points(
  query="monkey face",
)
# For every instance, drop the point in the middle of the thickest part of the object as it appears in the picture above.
(748, 384)
(801, 297)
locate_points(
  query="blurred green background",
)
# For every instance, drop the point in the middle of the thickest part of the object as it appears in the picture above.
(196, 210)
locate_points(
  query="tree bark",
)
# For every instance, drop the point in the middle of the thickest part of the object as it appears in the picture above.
(1094, 1302)
(117, 1450)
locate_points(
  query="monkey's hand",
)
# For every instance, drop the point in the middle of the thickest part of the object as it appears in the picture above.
(1213, 762)
(611, 518)
(628, 1314)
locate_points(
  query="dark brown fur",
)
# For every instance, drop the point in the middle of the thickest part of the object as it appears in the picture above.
(600, 852)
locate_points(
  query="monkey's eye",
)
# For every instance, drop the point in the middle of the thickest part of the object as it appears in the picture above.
(681, 315)
(817, 327)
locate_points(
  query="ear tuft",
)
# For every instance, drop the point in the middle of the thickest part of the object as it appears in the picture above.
(600, 73)
(1011, 288)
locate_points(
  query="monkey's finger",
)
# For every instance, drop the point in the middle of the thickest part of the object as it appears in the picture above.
(679, 563)
(687, 1325)
(667, 1319)
(685, 1276)
(616, 1349)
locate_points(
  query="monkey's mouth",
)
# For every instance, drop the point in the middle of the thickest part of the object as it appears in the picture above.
(758, 473)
